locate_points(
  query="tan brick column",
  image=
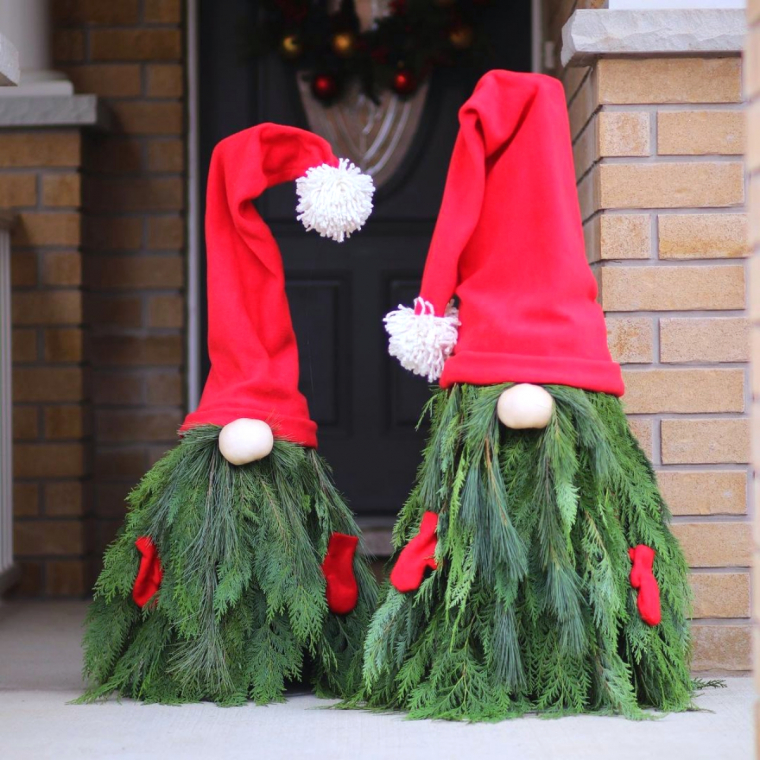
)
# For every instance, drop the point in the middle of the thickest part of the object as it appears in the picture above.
(752, 93)
(658, 147)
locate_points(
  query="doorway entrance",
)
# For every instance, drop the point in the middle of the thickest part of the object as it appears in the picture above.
(366, 406)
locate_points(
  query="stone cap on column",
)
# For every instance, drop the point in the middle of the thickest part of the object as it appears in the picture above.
(591, 34)
(53, 111)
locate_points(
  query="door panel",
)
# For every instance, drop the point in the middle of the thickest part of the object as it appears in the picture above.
(366, 406)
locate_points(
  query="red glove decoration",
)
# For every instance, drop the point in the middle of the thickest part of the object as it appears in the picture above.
(149, 575)
(417, 555)
(643, 579)
(338, 567)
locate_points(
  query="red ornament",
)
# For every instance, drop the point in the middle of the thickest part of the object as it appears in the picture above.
(417, 556)
(404, 82)
(342, 591)
(642, 578)
(149, 574)
(324, 87)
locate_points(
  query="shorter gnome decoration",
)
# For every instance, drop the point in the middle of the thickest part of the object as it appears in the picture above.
(535, 569)
(237, 567)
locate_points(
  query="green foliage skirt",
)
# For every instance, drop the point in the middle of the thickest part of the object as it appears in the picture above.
(530, 607)
(241, 608)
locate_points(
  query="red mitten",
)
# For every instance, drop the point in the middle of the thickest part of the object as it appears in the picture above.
(416, 556)
(643, 579)
(149, 575)
(338, 567)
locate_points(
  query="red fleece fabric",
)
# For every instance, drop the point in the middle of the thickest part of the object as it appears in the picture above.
(509, 244)
(149, 574)
(416, 556)
(251, 343)
(642, 578)
(338, 567)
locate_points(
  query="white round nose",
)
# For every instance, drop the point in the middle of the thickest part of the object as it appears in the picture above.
(525, 406)
(243, 441)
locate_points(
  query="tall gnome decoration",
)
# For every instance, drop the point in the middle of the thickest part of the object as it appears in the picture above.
(237, 566)
(534, 567)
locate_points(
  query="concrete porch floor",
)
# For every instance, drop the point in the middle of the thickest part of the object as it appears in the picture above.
(40, 673)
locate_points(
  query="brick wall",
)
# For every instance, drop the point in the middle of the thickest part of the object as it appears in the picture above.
(40, 181)
(658, 148)
(752, 93)
(98, 302)
(130, 52)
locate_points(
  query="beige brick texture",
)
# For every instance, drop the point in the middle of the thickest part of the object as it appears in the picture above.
(720, 595)
(643, 430)
(671, 185)
(705, 441)
(623, 133)
(723, 648)
(625, 236)
(752, 90)
(659, 147)
(669, 80)
(681, 288)
(98, 276)
(719, 339)
(704, 492)
(684, 133)
(630, 339)
(684, 390)
(702, 236)
(715, 544)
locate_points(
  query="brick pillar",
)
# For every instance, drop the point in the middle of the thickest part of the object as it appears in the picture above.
(658, 146)
(752, 92)
(130, 54)
(40, 180)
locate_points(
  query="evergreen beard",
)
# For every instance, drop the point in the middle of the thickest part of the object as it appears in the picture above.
(241, 609)
(531, 607)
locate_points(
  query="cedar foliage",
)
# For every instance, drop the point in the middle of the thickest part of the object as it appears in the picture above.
(531, 608)
(241, 610)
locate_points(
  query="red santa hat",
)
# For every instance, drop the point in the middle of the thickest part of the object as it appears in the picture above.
(509, 245)
(251, 343)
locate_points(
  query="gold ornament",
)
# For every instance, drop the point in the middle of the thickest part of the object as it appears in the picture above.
(343, 44)
(461, 38)
(291, 46)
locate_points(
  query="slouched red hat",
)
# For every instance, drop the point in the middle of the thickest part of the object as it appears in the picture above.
(509, 245)
(251, 343)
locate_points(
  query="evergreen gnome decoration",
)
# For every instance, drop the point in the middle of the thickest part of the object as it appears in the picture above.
(237, 566)
(535, 570)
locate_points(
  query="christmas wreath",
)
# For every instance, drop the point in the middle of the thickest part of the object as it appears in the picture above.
(397, 52)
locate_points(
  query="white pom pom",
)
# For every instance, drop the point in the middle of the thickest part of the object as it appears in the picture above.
(422, 342)
(334, 200)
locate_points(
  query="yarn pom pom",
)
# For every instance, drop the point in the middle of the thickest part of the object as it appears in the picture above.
(420, 340)
(334, 200)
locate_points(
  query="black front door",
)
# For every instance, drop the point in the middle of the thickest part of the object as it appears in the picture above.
(366, 406)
